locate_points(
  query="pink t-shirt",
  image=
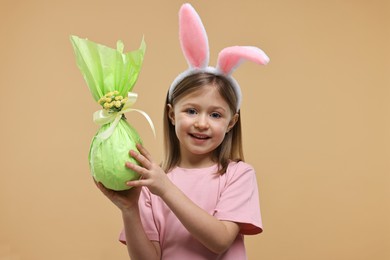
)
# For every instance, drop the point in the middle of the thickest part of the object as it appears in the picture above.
(232, 196)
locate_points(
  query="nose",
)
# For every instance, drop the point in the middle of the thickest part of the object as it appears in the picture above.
(202, 122)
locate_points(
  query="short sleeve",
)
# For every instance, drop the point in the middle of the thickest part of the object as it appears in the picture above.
(239, 199)
(147, 218)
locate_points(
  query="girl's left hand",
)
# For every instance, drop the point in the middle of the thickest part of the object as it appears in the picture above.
(152, 176)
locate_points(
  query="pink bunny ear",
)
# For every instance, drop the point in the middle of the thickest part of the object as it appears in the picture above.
(193, 37)
(231, 57)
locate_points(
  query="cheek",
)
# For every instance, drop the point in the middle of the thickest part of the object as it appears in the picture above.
(223, 126)
(220, 130)
(181, 126)
(183, 121)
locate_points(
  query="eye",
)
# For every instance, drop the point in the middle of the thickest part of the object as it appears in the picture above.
(216, 115)
(191, 111)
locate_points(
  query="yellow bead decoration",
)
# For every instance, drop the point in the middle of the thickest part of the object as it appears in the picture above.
(112, 101)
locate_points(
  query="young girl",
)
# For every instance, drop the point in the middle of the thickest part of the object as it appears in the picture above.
(204, 198)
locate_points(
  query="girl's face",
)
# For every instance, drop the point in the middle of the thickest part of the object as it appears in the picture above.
(201, 120)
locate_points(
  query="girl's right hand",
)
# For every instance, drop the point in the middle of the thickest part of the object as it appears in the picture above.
(124, 200)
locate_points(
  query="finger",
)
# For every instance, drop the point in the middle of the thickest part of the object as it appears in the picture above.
(141, 159)
(102, 188)
(98, 184)
(144, 152)
(137, 183)
(138, 169)
(108, 192)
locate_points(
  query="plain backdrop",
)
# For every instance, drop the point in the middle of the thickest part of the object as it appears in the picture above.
(316, 121)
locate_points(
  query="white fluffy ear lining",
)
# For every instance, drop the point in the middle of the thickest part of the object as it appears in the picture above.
(231, 57)
(193, 37)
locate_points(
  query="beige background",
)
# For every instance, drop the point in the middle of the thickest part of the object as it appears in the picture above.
(316, 121)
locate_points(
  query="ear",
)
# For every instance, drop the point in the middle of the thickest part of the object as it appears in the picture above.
(233, 122)
(231, 57)
(171, 114)
(193, 37)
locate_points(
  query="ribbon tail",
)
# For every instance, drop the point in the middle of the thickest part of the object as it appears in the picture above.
(108, 132)
(147, 118)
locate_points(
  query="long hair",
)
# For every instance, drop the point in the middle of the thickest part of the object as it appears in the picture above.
(231, 146)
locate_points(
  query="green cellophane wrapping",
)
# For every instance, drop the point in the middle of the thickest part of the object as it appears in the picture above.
(107, 159)
(105, 70)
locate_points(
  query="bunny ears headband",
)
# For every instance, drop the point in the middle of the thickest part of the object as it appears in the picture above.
(194, 44)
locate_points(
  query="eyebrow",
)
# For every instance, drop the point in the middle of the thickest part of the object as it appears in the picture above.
(218, 108)
(211, 107)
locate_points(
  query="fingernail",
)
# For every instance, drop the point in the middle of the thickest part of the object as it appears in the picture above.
(129, 183)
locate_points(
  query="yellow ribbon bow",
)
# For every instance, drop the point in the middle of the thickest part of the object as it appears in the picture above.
(104, 116)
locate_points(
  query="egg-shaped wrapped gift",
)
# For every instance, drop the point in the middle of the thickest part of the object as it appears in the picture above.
(111, 75)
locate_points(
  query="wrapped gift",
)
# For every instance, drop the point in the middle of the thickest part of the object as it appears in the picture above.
(111, 75)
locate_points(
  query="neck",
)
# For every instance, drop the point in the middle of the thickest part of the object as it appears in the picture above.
(196, 161)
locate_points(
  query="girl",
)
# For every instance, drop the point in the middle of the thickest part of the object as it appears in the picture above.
(204, 198)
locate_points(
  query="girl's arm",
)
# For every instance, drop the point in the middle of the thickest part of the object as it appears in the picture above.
(138, 244)
(214, 234)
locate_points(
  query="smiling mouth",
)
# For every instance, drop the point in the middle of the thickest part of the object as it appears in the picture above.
(199, 136)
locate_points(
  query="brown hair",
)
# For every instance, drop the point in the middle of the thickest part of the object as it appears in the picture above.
(231, 146)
